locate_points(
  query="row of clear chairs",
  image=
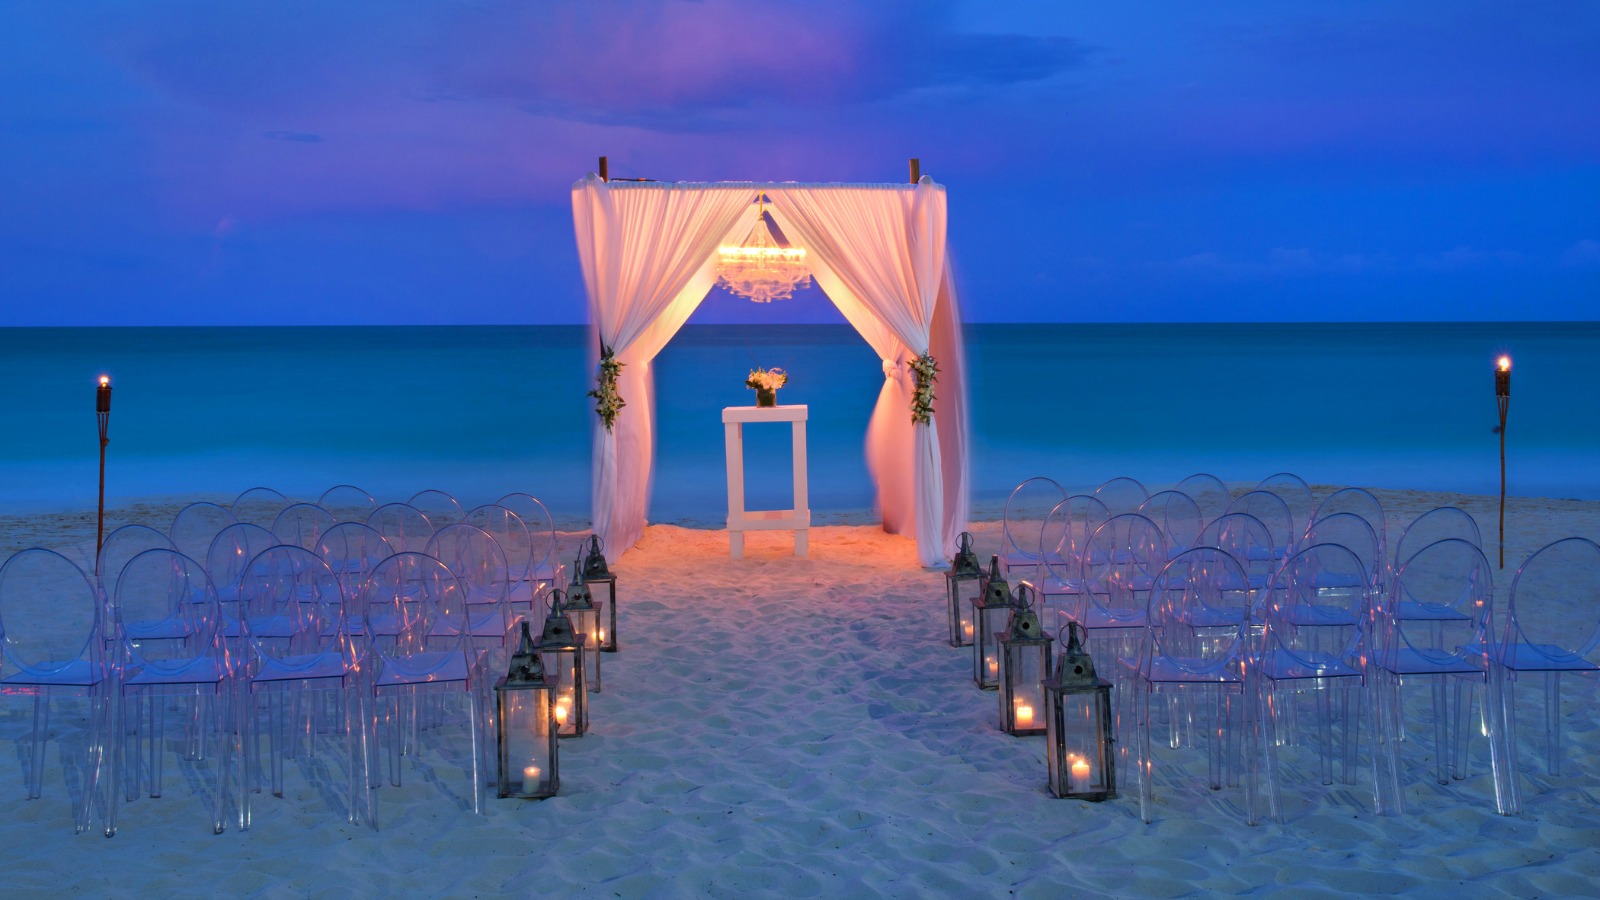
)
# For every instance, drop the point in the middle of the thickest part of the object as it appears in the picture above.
(1316, 641)
(1433, 623)
(293, 654)
(128, 675)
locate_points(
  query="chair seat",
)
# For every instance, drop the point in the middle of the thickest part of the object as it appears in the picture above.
(77, 673)
(297, 668)
(1051, 586)
(1408, 661)
(1544, 658)
(1411, 610)
(1213, 618)
(1282, 666)
(422, 668)
(1307, 615)
(199, 670)
(1182, 670)
(1096, 617)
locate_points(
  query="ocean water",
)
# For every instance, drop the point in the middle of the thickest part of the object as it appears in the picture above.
(481, 411)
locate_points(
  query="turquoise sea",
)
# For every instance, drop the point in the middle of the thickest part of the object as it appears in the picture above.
(481, 411)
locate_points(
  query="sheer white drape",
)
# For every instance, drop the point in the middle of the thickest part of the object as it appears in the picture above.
(648, 259)
(885, 248)
(878, 252)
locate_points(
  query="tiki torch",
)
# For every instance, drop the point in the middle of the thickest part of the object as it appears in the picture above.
(1502, 397)
(102, 412)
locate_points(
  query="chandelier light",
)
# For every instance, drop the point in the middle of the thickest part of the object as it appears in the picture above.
(760, 269)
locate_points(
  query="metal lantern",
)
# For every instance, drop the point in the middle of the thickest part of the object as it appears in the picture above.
(1080, 744)
(525, 726)
(961, 586)
(587, 620)
(1024, 664)
(991, 612)
(595, 571)
(562, 650)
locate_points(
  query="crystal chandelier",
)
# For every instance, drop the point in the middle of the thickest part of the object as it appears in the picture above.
(758, 268)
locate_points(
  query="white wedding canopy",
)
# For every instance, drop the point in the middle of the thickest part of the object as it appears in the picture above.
(649, 253)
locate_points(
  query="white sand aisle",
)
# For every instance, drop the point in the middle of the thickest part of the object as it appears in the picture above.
(799, 727)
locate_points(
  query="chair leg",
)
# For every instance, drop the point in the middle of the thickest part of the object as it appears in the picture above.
(41, 728)
(1552, 722)
(1145, 769)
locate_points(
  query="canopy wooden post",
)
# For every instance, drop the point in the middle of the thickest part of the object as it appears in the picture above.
(604, 175)
(916, 170)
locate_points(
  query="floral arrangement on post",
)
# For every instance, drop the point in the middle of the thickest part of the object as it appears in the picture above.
(607, 401)
(766, 383)
(926, 369)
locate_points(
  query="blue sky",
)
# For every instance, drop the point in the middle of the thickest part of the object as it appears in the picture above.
(379, 161)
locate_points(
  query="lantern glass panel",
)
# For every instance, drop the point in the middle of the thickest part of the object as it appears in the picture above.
(1024, 665)
(564, 666)
(606, 639)
(992, 623)
(589, 621)
(1081, 751)
(527, 741)
(962, 591)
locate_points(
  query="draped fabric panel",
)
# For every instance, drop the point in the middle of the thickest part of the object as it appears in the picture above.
(648, 259)
(886, 247)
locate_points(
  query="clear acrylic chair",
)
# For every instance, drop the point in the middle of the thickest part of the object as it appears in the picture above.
(1023, 523)
(417, 649)
(1120, 562)
(301, 525)
(1448, 648)
(173, 654)
(405, 527)
(545, 569)
(1202, 682)
(352, 550)
(196, 525)
(1209, 493)
(509, 531)
(1177, 515)
(1062, 541)
(52, 645)
(1552, 630)
(1271, 510)
(230, 553)
(1243, 537)
(119, 547)
(1311, 665)
(475, 557)
(1359, 502)
(441, 508)
(1122, 494)
(1435, 525)
(347, 503)
(1296, 495)
(259, 506)
(1353, 533)
(305, 669)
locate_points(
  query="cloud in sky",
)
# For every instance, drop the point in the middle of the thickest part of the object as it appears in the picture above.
(215, 148)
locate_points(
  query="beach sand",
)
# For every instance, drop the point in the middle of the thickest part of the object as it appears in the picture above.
(799, 727)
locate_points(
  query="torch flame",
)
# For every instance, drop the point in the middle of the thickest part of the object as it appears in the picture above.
(1505, 363)
(105, 380)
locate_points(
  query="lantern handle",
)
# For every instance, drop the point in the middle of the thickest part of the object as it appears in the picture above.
(1068, 629)
(1024, 595)
(964, 542)
(556, 596)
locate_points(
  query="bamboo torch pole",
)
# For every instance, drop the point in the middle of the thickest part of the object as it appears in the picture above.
(1502, 396)
(102, 413)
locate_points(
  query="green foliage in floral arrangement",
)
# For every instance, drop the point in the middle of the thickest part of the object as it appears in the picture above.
(607, 401)
(767, 379)
(926, 369)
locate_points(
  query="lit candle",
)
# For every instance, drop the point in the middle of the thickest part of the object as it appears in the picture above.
(561, 712)
(994, 666)
(1080, 774)
(1024, 715)
(967, 627)
(530, 779)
